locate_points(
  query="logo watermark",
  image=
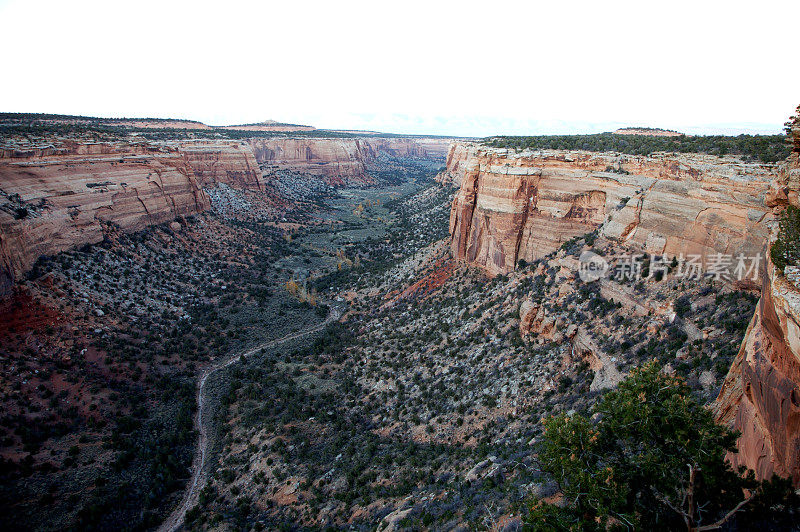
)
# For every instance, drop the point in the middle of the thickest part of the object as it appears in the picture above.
(592, 267)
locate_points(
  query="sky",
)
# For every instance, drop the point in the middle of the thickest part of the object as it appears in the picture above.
(434, 67)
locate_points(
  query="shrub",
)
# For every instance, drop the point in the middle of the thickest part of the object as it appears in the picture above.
(786, 249)
(655, 460)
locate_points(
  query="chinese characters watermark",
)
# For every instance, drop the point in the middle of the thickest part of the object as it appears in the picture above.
(640, 266)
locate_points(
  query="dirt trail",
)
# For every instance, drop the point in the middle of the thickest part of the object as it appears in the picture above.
(176, 518)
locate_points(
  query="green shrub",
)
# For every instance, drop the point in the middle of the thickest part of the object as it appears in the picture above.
(786, 249)
(654, 460)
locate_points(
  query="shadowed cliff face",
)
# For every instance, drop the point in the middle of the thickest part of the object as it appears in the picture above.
(58, 201)
(514, 206)
(761, 394)
(340, 161)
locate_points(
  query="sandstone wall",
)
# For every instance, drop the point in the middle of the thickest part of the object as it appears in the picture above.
(340, 161)
(231, 163)
(67, 193)
(513, 206)
(761, 394)
(70, 188)
(424, 148)
(458, 156)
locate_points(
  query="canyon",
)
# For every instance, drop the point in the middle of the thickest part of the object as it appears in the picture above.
(514, 206)
(350, 281)
(465, 322)
(61, 193)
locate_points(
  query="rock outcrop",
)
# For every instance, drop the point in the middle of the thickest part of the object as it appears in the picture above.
(407, 147)
(458, 156)
(761, 394)
(231, 163)
(340, 161)
(56, 202)
(524, 205)
(647, 131)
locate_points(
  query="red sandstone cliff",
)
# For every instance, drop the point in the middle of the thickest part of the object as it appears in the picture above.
(514, 206)
(523, 205)
(761, 394)
(65, 198)
(223, 162)
(458, 155)
(340, 161)
(423, 147)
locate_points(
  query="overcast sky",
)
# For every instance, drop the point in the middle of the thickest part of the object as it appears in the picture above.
(456, 68)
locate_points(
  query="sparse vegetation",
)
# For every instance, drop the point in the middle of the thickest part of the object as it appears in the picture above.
(763, 148)
(426, 404)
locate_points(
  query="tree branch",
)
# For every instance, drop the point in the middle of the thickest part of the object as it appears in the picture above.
(722, 521)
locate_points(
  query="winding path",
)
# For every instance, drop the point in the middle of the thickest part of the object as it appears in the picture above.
(176, 518)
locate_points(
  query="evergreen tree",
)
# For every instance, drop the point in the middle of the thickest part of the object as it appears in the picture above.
(651, 458)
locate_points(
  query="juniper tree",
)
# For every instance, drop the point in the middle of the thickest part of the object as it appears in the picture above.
(651, 457)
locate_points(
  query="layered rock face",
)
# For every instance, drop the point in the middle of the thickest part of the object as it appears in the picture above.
(761, 394)
(223, 162)
(514, 206)
(338, 161)
(53, 203)
(458, 157)
(424, 148)
(57, 196)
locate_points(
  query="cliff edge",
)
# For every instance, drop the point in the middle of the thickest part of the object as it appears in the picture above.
(514, 206)
(761, 394)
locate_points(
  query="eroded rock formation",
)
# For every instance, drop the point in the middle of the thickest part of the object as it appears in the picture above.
(761, 394)
(340, 161)
(524, 205)
(55, 202)
(422, 147)
(231, 163)
(458, 155)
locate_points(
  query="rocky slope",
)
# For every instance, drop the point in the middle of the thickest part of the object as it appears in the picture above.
(523, 205)
(761, 394)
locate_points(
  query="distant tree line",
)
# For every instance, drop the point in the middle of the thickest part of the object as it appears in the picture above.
(763, 148)
(40, 124)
